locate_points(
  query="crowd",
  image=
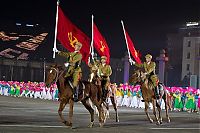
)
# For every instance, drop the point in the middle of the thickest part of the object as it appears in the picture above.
(180, 99)
(29, 89)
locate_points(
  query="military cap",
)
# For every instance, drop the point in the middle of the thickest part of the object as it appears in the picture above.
(104, 57)
(79, 44)
(148, 56)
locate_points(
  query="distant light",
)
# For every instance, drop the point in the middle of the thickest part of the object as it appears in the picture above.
(29, 25)
(18, 24)
(192, 23)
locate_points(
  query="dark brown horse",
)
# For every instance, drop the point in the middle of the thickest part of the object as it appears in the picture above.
(109, 94)
(56, 75)
(149, 96)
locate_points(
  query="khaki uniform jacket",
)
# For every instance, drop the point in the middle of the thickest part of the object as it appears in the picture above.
(104, 71)
(149, 69)
(93, 66)
(74, 60)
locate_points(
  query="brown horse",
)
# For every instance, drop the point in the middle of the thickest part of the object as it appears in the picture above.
(109, 94)
(56, 75)
(149, 96)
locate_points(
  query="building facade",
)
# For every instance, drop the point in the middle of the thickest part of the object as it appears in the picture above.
(183, 53)
(190, 60)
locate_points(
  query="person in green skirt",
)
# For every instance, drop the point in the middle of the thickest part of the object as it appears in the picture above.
(178, 105)
(190, 104)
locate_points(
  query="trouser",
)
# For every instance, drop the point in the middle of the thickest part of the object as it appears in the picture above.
(154, 80)
(76, 78)
(105, 84)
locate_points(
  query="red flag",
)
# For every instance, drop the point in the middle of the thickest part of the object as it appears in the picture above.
(100, 44)
(68, 34)
(134, 53)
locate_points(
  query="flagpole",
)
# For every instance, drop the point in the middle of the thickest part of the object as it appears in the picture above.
(92, 41)
(126, 39)
(55, 35)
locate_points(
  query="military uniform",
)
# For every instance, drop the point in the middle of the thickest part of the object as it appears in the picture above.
(104, 72)
(150, 71)
(149, 68)
(93, 69)
(74, 62)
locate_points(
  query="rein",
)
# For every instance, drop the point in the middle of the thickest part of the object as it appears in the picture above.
(57, 75)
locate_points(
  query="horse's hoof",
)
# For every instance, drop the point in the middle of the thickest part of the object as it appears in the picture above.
(91, 124)
(151, 120)
(69, 125)
(157, 123)
(101, 124)
(117, 120)
(160, 122)
(168, 120)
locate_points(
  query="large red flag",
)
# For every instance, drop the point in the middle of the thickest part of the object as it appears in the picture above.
(68, 34)
(131, 47)
(100, 44)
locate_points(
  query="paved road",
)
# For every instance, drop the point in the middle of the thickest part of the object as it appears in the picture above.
(25, 115)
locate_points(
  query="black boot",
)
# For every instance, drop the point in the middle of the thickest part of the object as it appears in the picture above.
(156, 90)
(104, 93)
(75, 94)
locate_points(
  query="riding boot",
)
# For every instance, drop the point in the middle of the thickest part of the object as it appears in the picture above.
(156, 91)
(75, 94)
(104, 93)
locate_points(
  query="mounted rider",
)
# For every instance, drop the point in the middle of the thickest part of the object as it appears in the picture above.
(93, 66)
(104, 73)
(73, 63)
(149, 68)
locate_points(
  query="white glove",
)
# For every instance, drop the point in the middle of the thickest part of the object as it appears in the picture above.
(66, 64)
(145, 73)
(131, 61)
(56, 50)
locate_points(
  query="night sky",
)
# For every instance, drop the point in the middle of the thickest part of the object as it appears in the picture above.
(147, 22)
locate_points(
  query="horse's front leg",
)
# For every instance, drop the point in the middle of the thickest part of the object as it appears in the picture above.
(154, 111)
(147, 113)
(88, 106)
(71, 108)
(63, 103)
(167, 109)
(113, 100)
(158, 105)
(101, 114)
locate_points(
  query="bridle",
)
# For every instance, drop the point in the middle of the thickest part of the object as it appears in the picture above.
(57, 75)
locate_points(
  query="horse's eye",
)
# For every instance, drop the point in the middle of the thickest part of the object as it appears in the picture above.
(50, 71)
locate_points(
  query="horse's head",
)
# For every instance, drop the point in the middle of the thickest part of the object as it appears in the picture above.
(52, 75)
(137, 77)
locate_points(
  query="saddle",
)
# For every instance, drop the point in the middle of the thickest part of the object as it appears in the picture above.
(80, 88)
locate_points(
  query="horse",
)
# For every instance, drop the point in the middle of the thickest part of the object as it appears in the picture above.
(149, 96)
(56, 74)
(93, 78)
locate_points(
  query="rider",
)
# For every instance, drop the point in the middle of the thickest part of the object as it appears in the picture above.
(104, 72)
(149, 68)
(93, 68)
(73, 65)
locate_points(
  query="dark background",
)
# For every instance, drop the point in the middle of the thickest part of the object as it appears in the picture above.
(147, 22)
